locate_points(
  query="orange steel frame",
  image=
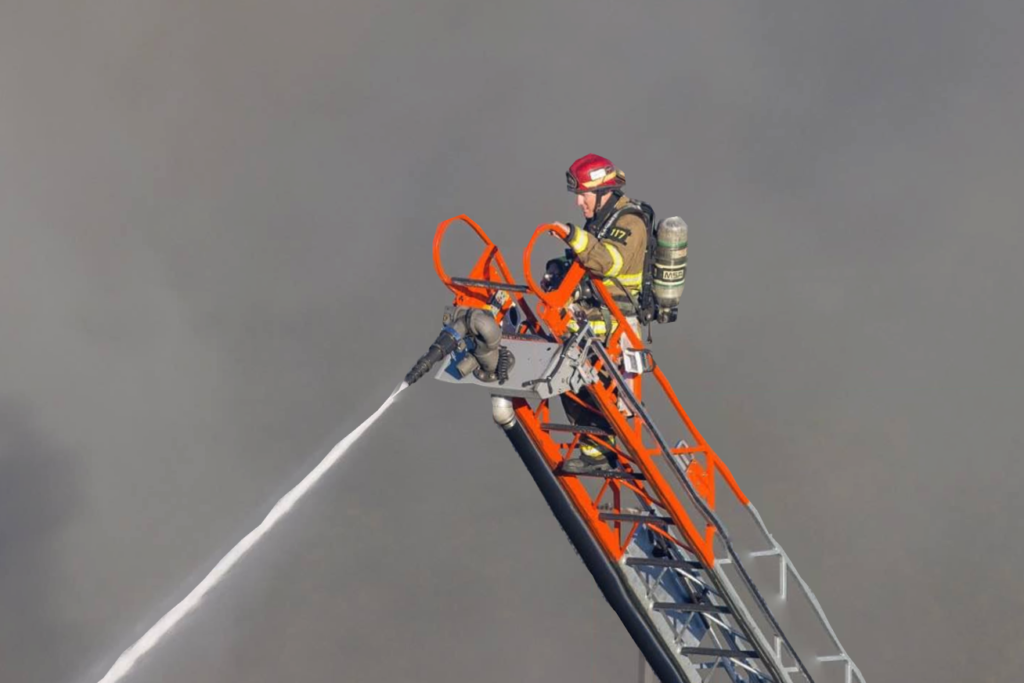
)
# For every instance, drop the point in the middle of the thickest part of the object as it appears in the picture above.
(635, 456)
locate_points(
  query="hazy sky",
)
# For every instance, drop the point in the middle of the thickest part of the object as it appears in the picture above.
(215, 229)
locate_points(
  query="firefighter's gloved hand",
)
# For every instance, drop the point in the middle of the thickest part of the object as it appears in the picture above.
(554, 273)
(568, 227)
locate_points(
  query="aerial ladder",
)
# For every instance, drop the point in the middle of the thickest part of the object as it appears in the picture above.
(649, 530)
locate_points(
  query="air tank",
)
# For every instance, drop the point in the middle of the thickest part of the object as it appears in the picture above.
(669, 266)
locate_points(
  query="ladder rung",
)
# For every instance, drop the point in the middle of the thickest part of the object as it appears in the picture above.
(690, 607)
(490, 284)
(606, 474)
(643, 519)
(662, 562)
(574, 429)
(717, 652)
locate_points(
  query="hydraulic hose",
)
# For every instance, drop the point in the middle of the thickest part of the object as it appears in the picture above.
(487, 334)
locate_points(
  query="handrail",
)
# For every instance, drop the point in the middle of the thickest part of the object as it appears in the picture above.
(442, 228)
(477, 295)
(558, 231)
(557, 300)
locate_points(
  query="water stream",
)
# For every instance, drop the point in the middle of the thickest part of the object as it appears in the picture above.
(153, 636)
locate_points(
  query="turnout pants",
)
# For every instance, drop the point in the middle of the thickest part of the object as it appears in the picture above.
(589, 415)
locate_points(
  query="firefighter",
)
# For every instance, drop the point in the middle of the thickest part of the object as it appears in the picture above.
(612, 246)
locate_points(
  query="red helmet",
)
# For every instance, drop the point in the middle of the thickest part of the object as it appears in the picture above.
(593, 173)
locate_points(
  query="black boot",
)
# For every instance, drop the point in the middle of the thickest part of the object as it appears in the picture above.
(587, 464)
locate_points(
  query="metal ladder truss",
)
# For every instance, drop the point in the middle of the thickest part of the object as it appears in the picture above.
(649, 529)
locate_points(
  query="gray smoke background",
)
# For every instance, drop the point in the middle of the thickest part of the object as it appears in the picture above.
(215, 230)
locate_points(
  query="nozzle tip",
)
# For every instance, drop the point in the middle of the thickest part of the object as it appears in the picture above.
(417, 372)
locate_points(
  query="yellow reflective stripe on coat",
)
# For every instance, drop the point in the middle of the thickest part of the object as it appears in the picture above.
(632, 279)
(616, 261)
(630, 282)
(580, 240)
